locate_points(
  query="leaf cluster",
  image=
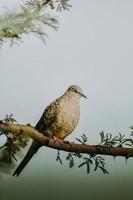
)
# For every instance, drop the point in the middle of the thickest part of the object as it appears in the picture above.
(94, 162)
(14, 24)
(83, 139)
(32, 17)
(58, 5)
(14, 143)
(119, 140)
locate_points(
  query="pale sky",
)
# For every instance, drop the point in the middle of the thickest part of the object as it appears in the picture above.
(92, 48)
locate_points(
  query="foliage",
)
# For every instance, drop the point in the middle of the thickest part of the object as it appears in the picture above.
(98, 162)
(59, 5)
(13, 143)
(95, 161)
(32, 17)
(119, 140)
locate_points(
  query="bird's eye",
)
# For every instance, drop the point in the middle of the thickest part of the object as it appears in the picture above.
(75, 90)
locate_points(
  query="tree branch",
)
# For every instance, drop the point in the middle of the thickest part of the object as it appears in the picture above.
(29, 131)
(33, 17)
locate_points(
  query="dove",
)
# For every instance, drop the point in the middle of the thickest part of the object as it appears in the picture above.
(58, 120)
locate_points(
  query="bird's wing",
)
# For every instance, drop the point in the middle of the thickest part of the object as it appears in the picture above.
(48, 117)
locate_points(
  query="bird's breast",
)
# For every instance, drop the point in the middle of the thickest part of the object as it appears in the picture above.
(67, 118)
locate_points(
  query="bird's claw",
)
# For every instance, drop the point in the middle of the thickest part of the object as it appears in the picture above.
(58, 140)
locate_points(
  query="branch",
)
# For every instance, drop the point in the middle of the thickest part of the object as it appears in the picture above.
(29, 131)
(33, 17)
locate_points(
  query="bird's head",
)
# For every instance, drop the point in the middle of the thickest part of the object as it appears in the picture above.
(76, 90)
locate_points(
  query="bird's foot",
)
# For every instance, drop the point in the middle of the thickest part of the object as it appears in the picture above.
(58, 140)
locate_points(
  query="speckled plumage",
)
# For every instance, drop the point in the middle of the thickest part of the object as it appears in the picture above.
(59, 119)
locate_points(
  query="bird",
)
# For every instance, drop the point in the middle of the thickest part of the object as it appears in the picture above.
(58, 120)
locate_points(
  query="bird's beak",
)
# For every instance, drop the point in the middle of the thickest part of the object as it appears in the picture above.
(83, 95)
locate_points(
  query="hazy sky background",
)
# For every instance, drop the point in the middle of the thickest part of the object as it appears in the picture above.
(92, 48)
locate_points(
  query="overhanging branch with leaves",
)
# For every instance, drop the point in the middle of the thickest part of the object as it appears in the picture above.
(27, 130)
(33, 17)
(110, 146)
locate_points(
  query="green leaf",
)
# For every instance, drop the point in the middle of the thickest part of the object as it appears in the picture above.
(103, 170)
(68, 156)
(88, 167)
(78, 140)
(71, 163)
(83, 163)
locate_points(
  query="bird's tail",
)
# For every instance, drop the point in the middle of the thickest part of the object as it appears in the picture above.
(32, 150)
